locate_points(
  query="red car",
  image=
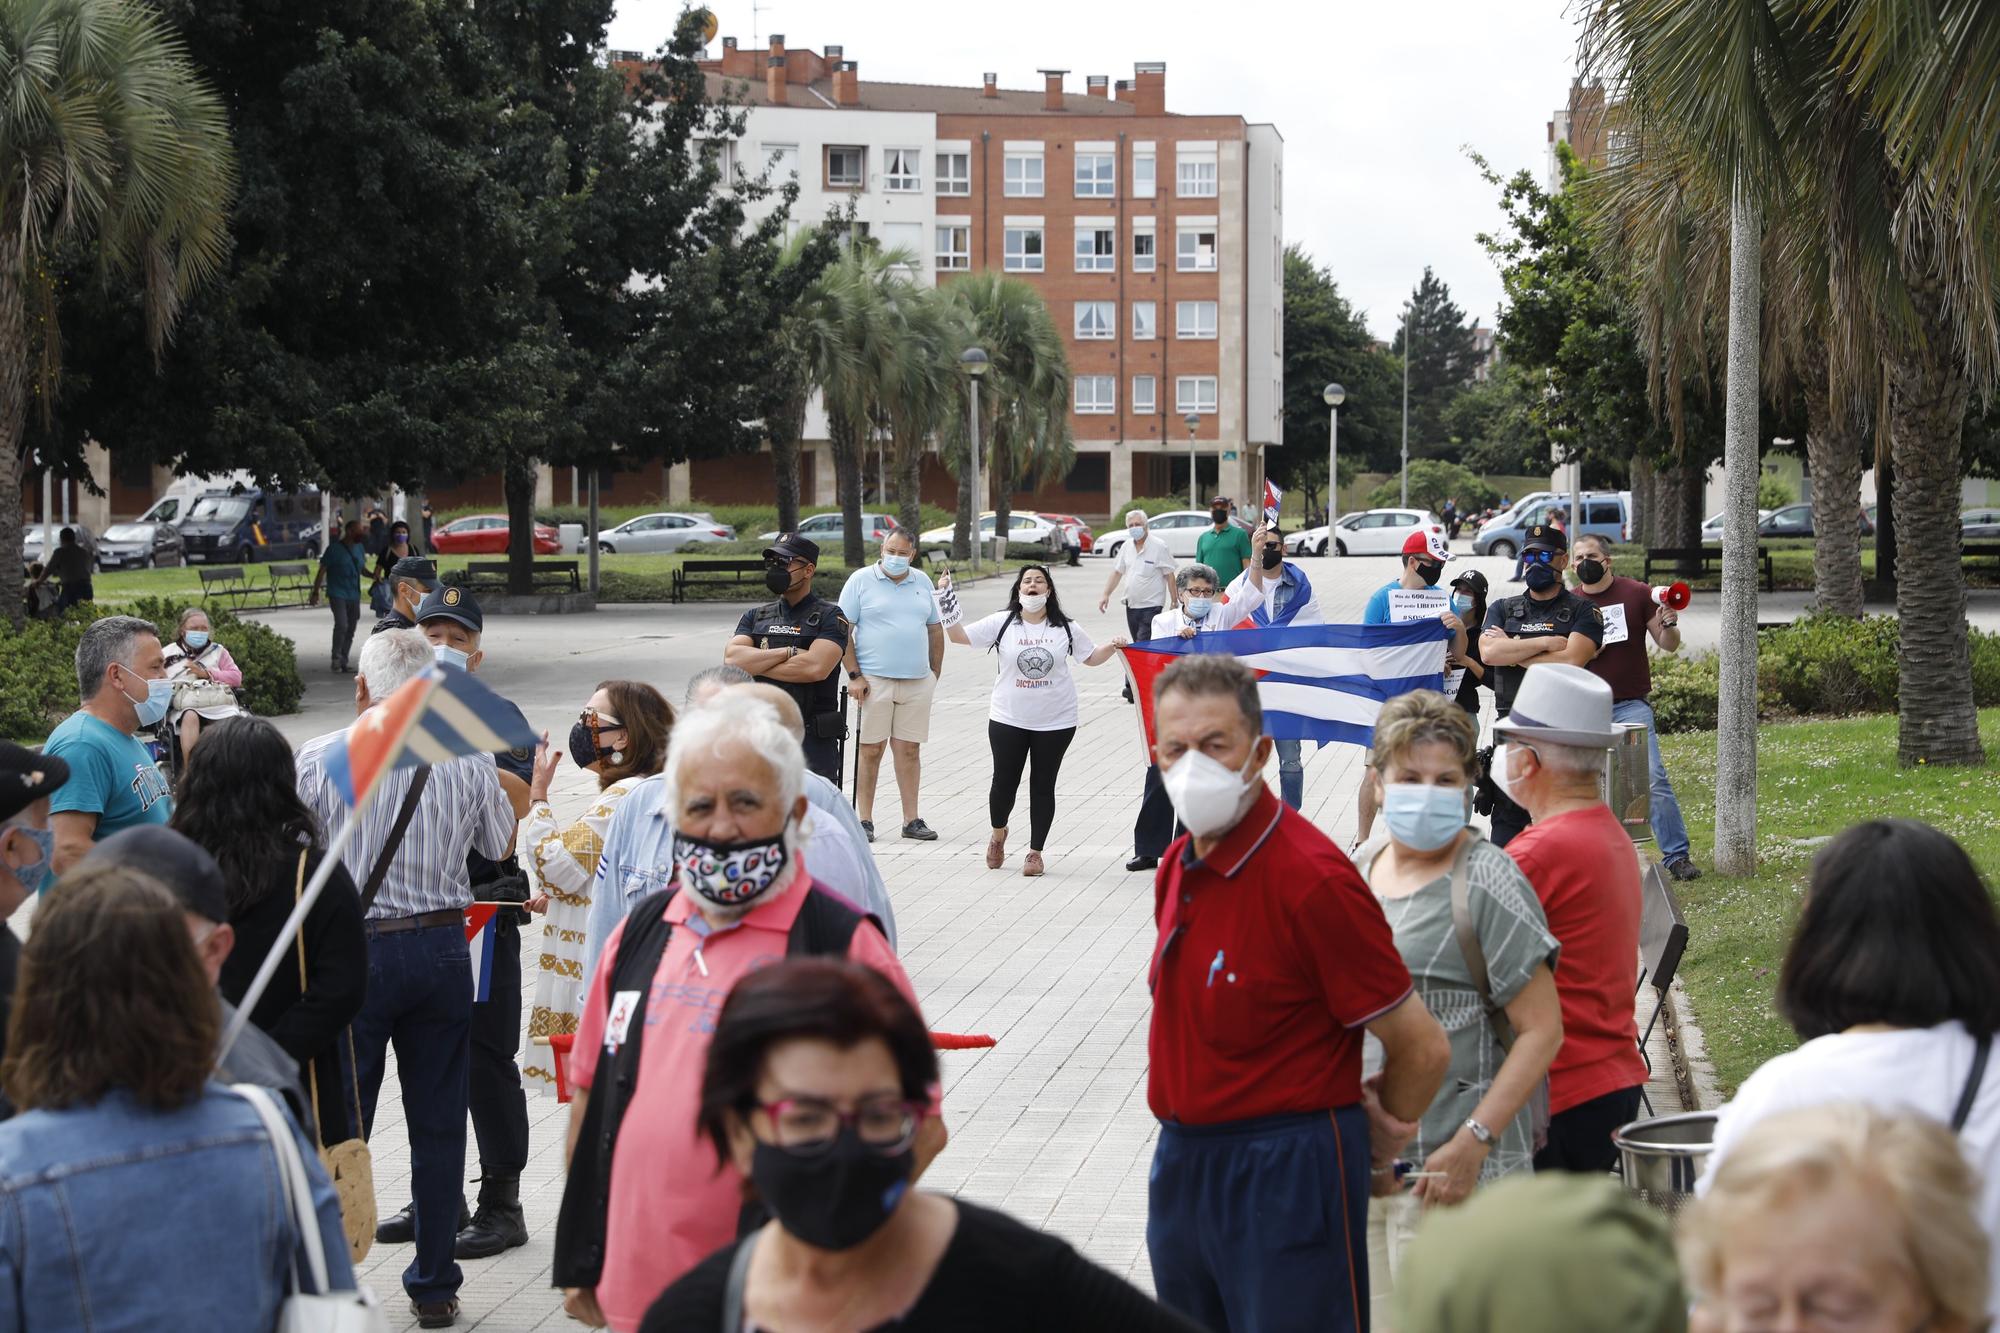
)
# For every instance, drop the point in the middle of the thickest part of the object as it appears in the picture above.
(1070, 521)
(486, 534)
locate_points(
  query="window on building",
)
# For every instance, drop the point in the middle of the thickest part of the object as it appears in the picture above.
(846, 168)
(845, 233)
(1197, 175)
(1023, 250)
(1096, 248)
(1096, 175)
(905, 240)
(1194, 393)
(1197, 250)
(1096, 319)
(1195, 319)
(783, 160)
(1143, 402)
(1145, 167)
(901, 173)
(954, 245)
(1024, 176)
(1090, 472)
(1143, 258)
(954, 173)
(1144, 324)
(1096, 395)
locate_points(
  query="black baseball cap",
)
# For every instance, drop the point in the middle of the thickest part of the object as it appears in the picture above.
(172, 858)
(790, 546)
(416, 569)
(1544, 537)
(1472, 581)
(451, 604)
(26, 776)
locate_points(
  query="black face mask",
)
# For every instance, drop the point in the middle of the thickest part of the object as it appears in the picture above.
(1218, 516)
(837, 1198)
(583, 747)
(1273, 557)
(1540, 578)
(778, 579)
(1430, 571)
(1589, 571)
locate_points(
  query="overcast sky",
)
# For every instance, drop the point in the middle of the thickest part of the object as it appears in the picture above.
(1376, 102)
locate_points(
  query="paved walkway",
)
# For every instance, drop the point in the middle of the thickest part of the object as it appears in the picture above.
(1051, 1124)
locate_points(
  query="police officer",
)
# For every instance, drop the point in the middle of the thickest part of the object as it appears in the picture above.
(797, 643)
(413, 579)
(1547, 623)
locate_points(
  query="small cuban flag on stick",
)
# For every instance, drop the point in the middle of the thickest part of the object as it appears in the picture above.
(440, 715)
(479, 942)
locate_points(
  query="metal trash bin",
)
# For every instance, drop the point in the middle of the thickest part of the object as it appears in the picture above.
(1627, 785)
(1662, 1158)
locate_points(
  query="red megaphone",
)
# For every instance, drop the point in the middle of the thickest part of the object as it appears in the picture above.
(1675, 596)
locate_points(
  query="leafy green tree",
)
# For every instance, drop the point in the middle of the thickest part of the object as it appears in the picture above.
(1492, 425)
(1327, 342)
(1432, 482)
(113, 146)
(1442, 354)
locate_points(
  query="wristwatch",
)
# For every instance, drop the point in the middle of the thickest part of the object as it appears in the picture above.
(854, 675)
(1479, 1131)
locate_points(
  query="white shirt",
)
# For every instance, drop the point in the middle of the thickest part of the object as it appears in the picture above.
(1034, 690)
(1917, 1069)
(1148, 571)
(1243, 597)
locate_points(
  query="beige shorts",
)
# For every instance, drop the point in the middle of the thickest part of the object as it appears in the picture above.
(897, 709)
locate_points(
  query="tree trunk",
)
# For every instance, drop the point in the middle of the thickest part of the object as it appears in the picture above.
(13, 420)
(909, 484)
(1833, 452)
(961, 528)
(520, 484)
(1003, 489)
(784, 427)
(1885, 520)
(1936, 720)
(1645, 504)
(843, 434)
(1736, 712)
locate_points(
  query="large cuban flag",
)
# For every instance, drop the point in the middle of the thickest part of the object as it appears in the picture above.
(438, 716)
(1320, 683)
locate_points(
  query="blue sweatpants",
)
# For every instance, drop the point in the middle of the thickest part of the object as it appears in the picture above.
(1261, 1226)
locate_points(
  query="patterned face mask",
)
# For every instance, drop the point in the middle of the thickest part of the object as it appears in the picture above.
(732, 874)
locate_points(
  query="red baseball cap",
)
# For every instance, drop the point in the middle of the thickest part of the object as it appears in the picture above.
(1429, 540)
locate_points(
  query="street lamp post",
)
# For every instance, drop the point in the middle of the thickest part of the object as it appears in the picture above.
(1333, 396)
(1193, 421)
(975, 362)
(1408, 313)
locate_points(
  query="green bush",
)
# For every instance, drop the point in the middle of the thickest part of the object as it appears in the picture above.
(272, 686)
(1432, 482)
(1684, 692)
(1773, 493)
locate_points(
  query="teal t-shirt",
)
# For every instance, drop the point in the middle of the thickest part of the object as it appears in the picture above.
(343, 571)
(111, 775)
(1225, 552)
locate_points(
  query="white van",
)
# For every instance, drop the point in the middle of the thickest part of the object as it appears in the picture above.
(172, 507)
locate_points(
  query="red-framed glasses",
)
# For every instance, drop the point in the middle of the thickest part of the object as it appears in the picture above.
(807, 1125)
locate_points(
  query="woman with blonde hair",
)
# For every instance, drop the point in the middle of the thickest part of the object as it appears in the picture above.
(621, 737)
(1473, 935)
(1839, 1216)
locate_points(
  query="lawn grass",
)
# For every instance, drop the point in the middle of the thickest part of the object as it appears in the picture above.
(1814, 779)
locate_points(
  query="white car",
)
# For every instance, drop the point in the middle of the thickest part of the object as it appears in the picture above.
(1025, 533)
(1374, 531)
(664, 532)
(1179, 528)
(1711, 527)
(1308, 541)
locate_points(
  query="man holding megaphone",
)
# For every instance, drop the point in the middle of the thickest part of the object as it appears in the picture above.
(1633, 613)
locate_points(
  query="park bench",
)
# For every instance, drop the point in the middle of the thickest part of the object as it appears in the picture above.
(226, 583)
(292, 583)
(1663, 937)
(706, 571)
(547, 576)
(1704, 558)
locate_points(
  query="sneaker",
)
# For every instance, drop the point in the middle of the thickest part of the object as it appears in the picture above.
(868, 827)
(1139, 863)
(1681, 868)
(919, 830)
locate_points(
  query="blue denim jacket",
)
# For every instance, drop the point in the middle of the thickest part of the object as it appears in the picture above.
(116, 1217)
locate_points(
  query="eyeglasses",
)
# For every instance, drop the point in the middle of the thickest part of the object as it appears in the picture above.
(806, 1126)
(1538, 557)
(597, 721)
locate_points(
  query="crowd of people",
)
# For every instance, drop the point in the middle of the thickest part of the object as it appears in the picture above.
(1386, 1079)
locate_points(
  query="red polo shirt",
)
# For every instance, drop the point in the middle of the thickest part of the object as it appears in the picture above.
(1272, 956)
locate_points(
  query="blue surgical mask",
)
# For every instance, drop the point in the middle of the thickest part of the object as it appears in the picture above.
(152, 708)
(35, 878)
(1136, 531)
(197, 639)
(895, 566)
(1423, 817)
(1199, 607)
(1461, 606)
(452, 657)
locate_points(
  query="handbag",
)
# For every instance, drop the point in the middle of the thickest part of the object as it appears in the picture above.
(318, 1310)
(1475, 962)
(349, 1165)
(379, 600)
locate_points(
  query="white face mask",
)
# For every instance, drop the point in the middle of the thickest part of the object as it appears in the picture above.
(1209, 797)
(1136, 532)
(1034, 603)
(1502, 759)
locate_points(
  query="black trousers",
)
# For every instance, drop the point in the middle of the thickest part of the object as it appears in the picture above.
(499, 1103)
(1156, 823)
(1013, 748)
(823, 756)
(1580, 1138)
(1139, 622)
(1509, 820)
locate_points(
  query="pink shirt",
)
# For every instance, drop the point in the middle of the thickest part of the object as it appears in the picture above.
(670, 1208)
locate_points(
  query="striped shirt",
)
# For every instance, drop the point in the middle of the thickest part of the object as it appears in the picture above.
(462, 809)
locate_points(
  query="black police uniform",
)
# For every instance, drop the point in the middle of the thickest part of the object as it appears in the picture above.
(780, 625)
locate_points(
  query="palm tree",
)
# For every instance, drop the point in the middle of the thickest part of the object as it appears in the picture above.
(916, 391)
(107, 138)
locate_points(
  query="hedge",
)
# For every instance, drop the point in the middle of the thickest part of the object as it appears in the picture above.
(38, 665)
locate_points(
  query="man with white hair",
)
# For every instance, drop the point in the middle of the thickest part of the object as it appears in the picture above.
(645, 1200)
(409, 856)
(1146, 567)
(1550, 761)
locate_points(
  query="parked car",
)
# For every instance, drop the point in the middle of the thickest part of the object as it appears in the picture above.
(1376, 531)
(1711, 527)
(828, 531)
(1072, 521)
(1027, 534)
(140, 545)
(486, 534)
(1797, 521)
(36, 543)
(237, 527)
(1181, 529)
(664, 532)
(1977, 524)
(1308, 541)
(1604, 514)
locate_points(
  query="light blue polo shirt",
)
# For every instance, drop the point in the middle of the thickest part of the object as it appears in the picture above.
(889, 619)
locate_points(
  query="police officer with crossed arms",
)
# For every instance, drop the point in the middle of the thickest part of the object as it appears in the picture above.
(796, 643)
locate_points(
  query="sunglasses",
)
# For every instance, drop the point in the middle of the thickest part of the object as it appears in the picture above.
(597, 721)
(1538, 557)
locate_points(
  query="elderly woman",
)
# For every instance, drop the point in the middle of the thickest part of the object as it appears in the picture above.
(1889, 983)
(644, 1202)
(816, 1089)
(1839, 1217)
(621, 737)
(205, 678)
(1473, 935)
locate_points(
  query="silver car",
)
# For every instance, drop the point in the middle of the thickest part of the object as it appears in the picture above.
(664, 532)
